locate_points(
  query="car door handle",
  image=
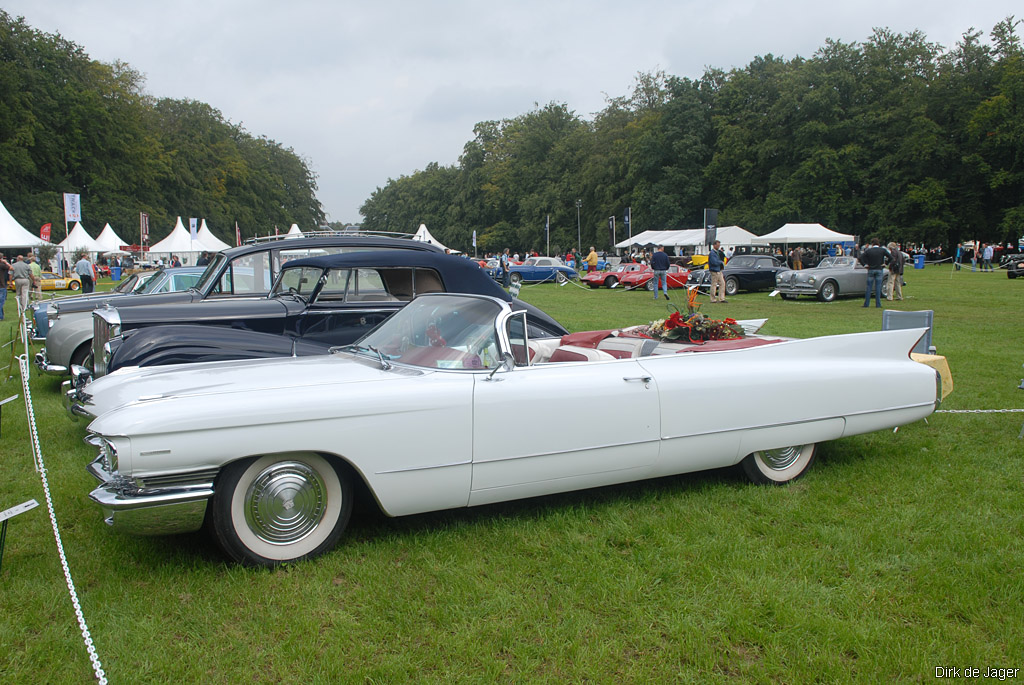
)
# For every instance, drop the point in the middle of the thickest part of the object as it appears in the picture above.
(643, 379)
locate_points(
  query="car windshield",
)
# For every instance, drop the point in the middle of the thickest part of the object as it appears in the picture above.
(212, 269)
(438, 332)
(829, 262)
(300, 280)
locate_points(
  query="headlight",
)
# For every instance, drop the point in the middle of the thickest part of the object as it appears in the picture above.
(106, 449)
(811, 280)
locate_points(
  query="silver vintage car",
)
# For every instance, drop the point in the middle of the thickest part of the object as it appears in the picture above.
(833, 277)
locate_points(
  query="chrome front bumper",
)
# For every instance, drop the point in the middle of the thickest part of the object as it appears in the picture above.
(178, 508)
(44, 365)
(73, 393)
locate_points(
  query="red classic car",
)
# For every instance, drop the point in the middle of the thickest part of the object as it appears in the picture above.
(611, 277)
(677, 277)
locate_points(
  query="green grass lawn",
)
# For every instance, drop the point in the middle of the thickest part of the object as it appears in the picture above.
(897, 554)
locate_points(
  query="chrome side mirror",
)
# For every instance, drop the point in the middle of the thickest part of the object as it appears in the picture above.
(508, 362)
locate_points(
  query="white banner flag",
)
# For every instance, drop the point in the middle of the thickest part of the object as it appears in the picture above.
(193, 227)
(72, 207)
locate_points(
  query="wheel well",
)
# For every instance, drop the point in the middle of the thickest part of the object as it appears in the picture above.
(364, 496)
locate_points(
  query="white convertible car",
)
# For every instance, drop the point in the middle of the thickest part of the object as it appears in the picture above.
(267, 452)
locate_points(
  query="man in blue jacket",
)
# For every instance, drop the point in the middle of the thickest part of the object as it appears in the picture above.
(660, 265)
(715, 265)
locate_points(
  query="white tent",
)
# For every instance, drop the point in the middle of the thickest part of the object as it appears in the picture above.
(109, 241)
(423, 235)
(659, 237)
(803, 233)
(13, 234)
(78, 240)
(179, 243)
(294, 230)
(206, 237)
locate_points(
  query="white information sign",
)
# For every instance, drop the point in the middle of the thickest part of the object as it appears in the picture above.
(20, 509)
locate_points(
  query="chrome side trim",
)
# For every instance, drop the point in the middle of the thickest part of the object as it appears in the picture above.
(572, 451)
(802, 421)
(425, 468)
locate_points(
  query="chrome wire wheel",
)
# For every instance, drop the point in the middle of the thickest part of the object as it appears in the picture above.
(780, 465)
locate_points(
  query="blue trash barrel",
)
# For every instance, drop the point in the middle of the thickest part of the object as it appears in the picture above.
(919, 261)
(115, 273)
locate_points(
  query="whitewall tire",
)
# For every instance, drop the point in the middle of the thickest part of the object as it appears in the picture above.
(779, 466)
(280, 508)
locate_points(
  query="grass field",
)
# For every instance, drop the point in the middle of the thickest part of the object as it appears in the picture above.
(896, 555)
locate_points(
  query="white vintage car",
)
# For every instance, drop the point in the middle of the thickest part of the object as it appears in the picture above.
(267, 452)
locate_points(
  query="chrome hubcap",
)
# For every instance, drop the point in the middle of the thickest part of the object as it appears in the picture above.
(285, 502)
(781, 458)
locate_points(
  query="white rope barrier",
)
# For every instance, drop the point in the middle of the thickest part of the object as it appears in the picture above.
(37, 455)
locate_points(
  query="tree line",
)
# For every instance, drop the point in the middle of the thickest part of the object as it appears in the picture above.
(70, 124)
(894, 137)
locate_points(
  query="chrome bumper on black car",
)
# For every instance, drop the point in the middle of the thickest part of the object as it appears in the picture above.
(177, 505)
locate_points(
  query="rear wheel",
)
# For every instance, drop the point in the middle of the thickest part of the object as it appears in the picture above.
(779, 466)
(280, 508)
(829, 291)
(732, 286)
(74, 285)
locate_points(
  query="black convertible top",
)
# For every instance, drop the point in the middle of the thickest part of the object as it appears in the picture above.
(460, 275)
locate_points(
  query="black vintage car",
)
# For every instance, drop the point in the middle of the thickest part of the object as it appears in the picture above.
(314, 304)
(247, 271)
(744, 272)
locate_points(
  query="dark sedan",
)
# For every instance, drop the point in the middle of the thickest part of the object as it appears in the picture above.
(744, 272)
(314, 304)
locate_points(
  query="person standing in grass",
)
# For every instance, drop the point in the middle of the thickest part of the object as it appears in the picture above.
(37, 277)
(21, 273)
(591, 260)
(895, 288)
(5, 270)
(660, 265)
(83, 267)
(874, 258)
(715, 265)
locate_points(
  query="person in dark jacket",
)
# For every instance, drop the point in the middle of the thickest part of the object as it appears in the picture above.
(716, 262)
(875, 259)
(895, 288)
(660, 265)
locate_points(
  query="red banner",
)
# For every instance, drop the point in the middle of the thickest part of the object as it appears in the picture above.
(44, 232)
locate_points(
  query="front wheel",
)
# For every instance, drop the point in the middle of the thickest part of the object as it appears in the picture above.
(280, 508)
(516, 278)
(560, 277)
(652, 284)
(611, 281)
(828, 291)
(732, 286)
(779, 466)
(74, 285)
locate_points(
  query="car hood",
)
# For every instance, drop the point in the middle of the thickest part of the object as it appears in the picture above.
(227, 381)
(82, 304)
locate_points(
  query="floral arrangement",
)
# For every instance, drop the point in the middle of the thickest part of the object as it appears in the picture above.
(692, 327)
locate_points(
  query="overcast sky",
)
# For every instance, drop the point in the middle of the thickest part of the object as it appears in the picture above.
(371, 91)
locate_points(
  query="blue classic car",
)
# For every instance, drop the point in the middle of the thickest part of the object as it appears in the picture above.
(540, 269)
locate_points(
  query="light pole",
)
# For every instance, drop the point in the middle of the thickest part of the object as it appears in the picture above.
(579, 242)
